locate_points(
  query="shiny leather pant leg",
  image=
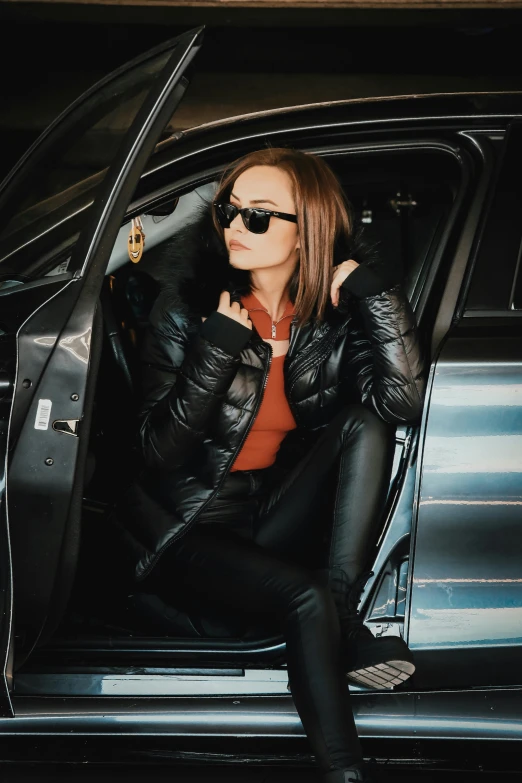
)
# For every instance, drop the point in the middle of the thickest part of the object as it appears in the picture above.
(359, 445)
(222, 568)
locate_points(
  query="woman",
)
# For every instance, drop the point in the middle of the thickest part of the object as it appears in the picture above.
(298, 372)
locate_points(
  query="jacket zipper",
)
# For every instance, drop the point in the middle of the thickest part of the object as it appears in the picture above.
(285, 375)
(274, 323)
(253, 418)
(187, 527)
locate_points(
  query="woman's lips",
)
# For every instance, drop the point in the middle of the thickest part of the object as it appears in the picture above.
(238, 246)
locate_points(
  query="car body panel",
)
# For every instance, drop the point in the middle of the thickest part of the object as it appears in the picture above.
(461, 729)
(467, 585)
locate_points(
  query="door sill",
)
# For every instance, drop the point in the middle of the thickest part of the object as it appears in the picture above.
(155, 683)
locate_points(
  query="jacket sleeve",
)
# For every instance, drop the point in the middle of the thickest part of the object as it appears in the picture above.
(383, 352)
(185, 379)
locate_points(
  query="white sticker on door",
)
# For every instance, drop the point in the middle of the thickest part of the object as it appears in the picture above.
(43, 415)
(60, 269)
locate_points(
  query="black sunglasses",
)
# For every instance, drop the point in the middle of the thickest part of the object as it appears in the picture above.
(255, 220)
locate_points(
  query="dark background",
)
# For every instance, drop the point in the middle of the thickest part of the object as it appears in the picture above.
(252, 59)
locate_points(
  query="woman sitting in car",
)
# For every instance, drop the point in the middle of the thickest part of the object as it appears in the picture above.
(297, 374)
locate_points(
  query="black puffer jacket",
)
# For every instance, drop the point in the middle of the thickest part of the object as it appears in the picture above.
(203, 385)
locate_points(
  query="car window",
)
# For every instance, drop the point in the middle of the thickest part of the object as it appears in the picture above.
(178, 220)
(59, 180)
(402, 201)
(496, 284)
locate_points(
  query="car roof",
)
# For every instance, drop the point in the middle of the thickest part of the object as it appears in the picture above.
(501, 104)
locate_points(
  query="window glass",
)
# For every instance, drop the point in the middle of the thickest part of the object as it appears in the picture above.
(498, 251)
(58, 183)
(402, 201)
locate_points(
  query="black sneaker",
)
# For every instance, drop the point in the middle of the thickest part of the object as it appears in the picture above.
(378, 662)
(375, 662)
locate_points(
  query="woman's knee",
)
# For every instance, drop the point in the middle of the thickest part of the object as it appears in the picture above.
(311, 599)
(357, 419)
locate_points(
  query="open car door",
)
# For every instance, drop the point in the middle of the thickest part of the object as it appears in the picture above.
(87, 163)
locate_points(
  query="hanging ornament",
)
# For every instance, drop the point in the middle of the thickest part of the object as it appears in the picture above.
(136, 241)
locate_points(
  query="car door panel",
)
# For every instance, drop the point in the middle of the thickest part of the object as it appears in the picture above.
(43, 465)
(35, 317)
(17, 304)
(465, 623)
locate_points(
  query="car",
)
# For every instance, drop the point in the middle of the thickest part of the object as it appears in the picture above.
(94, 668)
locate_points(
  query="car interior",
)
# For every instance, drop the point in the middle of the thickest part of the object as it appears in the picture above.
(404, 201)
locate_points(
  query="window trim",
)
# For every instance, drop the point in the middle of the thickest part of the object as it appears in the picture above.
(511, 146)
(431, 142)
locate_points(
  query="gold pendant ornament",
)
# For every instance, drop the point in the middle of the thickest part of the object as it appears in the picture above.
(136, 241)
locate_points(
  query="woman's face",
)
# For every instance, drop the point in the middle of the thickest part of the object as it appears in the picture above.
(270, 188)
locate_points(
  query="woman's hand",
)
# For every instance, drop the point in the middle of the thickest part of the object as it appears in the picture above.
(341, 272)
(234, 310)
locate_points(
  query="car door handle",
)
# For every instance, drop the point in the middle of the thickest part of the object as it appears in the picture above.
(67, 426)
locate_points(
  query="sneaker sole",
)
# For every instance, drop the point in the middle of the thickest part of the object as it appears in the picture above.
(383, 675)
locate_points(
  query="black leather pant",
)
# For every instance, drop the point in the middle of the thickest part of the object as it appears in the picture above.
(240, 555)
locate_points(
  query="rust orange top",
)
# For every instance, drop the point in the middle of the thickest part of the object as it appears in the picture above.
(274, 417)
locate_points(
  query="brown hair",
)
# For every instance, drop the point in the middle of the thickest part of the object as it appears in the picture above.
(323, 218)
